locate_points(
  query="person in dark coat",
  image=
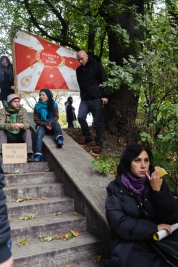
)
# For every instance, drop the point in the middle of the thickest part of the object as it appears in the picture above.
(139, 203)
(90, 76)
(6, 79)
(70, 112)
(5, 235)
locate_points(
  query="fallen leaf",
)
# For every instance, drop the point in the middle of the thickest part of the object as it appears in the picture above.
(97, 258)
(10, 219)
(58, 213)
(28, 198)
(20, 200)
(8, 185)
(44, 198)
(75, 233)
(73, 213)
(46, 170)
(22, 242)
(43, 239)
(69, 265)
(57, 237)
(17, 171)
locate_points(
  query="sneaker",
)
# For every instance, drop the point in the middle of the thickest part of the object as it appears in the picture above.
(85, 140)
(60, 141)
(30, 157)
(38, 158)
(97, 150)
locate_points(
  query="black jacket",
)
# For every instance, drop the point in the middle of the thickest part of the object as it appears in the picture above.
(133, 219)
(70, 114)
(6, 81)
(4, 223)
(89, 79)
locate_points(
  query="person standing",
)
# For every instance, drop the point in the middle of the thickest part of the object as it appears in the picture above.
(90, 75)
(6, 259)
(70, 112)
(46, 118)
(6, 79)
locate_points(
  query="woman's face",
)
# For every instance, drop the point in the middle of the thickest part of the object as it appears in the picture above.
(43, 97)
(4, 62)
(140, 165)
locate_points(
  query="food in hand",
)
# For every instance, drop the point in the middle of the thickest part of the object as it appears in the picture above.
(162, 171)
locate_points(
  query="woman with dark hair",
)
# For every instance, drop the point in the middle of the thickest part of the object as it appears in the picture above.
(139, 203)
(6, 79)
(46, 119)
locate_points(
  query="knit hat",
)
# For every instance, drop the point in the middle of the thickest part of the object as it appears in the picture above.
(11, 97)
(47, 92)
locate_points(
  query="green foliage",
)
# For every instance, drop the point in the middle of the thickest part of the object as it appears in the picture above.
(163, 139)
(105, 164)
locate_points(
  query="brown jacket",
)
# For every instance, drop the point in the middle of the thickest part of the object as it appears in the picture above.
(21, 118)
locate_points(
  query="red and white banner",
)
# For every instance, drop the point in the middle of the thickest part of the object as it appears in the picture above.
(42, 64)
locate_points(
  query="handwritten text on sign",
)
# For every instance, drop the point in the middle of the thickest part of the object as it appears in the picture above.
(14, 153)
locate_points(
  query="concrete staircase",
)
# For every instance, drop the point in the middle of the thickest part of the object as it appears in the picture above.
(32, 189)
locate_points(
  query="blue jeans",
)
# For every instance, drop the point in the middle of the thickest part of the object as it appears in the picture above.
(40, 133)
(95, 107)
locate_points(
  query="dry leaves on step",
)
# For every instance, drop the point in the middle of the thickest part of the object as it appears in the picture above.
(43, 239)
(57, 237)
(22, 242)
(28, 217)
(58, 213)
(46, 170)
(40, 198)
(65, 237)
(69, 265)
(8, 185)
(16, 171)
(97, 258)
(73, 213)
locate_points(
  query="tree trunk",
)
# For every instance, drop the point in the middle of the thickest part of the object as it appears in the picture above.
(121, 112)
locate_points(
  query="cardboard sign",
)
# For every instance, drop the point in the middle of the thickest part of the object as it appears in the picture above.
(14, 153)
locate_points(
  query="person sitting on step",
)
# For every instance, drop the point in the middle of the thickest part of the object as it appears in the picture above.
(46, 118)
(14, 125)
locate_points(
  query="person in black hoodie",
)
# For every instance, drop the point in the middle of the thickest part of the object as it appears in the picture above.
(5, 236)
(6, 79)
(139, 203)
(90, 75)
(70, 112)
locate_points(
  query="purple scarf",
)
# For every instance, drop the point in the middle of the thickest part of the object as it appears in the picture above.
(136, 185)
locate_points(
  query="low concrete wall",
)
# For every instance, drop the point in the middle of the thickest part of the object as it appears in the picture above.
(72, 165)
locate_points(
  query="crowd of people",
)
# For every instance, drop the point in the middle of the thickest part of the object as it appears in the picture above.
(139, 202)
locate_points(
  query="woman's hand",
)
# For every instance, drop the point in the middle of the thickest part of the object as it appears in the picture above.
(7, 263)
(155, 180)
(166, 227)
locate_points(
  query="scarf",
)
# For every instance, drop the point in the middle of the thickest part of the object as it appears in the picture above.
(42, 109)
(13, 118)
(136, 185)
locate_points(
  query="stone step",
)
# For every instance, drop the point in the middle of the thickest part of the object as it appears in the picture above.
(89, 263)
(40, 207)
(46, 226)
(30, 178)
(34, 190)
(25, 167)
(57, 252)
